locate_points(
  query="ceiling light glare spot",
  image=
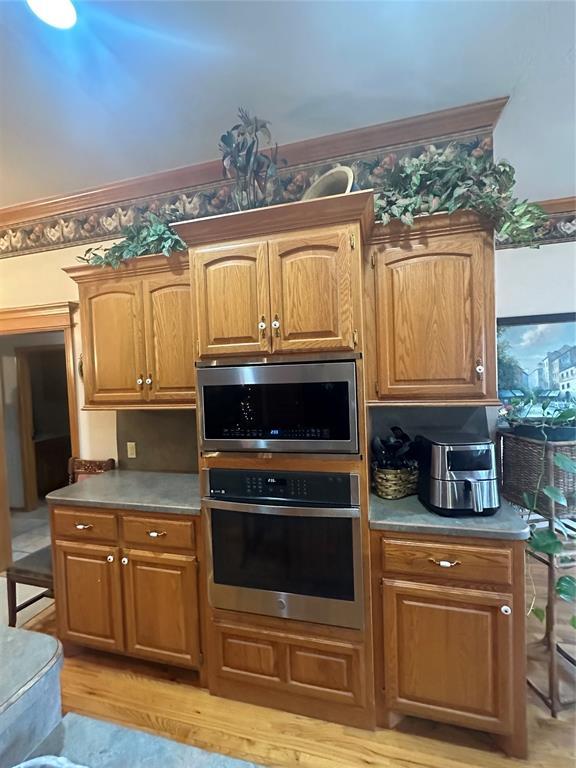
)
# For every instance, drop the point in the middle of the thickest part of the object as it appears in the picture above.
(57, 13)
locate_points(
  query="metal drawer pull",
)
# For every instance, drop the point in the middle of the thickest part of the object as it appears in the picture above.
(83, 526)
(124, 561)
(156, 534)
(506, 610)
(444, 563)
(110, 558)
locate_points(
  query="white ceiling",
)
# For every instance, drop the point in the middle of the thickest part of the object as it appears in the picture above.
(138, 87)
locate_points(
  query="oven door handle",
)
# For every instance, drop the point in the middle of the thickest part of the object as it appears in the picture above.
(269, 509)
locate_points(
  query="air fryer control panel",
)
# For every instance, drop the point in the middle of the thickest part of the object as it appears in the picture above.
(295, 488)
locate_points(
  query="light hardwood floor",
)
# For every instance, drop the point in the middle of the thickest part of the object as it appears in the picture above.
(164, 701)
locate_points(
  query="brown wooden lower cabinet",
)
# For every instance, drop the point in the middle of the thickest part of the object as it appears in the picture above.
(294, 669)
(89, 599)
(448, 654)
(160, 609)
(118, 598)
(324, 669)
(449, 640)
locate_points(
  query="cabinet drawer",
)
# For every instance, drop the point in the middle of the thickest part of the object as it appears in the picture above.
(158, 533)
(454, 562)
(85, 525)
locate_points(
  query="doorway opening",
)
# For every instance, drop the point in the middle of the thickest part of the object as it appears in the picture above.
(34, 398)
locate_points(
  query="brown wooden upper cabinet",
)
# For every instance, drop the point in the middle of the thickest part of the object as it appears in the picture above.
(287, 293)
(137, 336)
(232, 298)
(435, 317)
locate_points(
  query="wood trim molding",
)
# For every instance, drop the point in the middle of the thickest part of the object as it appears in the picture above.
(5, 527)
(26, 428)
(338, 209)
(41, 317)
(559, 205)
(478, 116)
(437, 224)
(176, 264)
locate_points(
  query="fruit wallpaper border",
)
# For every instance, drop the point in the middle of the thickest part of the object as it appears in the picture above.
(104, 223)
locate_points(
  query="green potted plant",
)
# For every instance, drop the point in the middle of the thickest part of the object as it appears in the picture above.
(457, 177)
(243, 160)
(550, 420)
(152, 236)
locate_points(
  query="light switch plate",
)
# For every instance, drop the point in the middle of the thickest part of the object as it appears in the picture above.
(131, 450)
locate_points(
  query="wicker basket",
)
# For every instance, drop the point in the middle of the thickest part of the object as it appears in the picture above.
(523, 459)
(395, 483)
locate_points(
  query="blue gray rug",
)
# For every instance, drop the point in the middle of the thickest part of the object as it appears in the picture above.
(96, 744)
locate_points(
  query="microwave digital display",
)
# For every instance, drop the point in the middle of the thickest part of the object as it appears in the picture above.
(295, 411)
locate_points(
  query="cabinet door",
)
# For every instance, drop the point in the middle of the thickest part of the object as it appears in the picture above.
(113, 341)
(88, 594)
(161, 607)
(232, 298)
(311, 289)
(448, 654)
(435, 324)
(169, 339)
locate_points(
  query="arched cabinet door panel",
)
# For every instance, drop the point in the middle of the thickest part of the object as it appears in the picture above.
(435, 319)
(113, 337)
(232, 299)
(311, 289)
(169, 339)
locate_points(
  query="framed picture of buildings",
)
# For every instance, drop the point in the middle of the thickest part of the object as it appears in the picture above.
(537, 358)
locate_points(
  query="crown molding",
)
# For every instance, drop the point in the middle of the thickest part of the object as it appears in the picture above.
(436, 224)
(176, 264)
(323, 211)
(559, 205)
(477, 116)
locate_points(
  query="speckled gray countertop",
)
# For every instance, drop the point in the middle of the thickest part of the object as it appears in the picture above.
(173, 492)
(408, 515)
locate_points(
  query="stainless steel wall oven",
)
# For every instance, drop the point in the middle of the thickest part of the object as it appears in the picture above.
(285, 544)
(288, 407)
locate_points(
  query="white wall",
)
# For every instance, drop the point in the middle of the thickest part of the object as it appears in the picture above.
(532, 281)
(9, 401)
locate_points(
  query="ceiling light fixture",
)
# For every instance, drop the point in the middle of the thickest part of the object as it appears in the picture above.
(57, 13)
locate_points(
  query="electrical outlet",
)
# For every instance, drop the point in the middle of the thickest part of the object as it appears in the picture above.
(131, 450)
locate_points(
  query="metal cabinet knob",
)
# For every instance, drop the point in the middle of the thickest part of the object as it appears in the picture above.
(506, 610)
(124, 561)
(444, 563)
(262, 326)
(83, 526)
(149, 379)
(479, 369)
(140, 380)
(156, 534)
(276, 325)
(110, 558)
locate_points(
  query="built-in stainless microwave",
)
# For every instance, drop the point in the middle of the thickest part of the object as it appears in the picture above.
(287, 407)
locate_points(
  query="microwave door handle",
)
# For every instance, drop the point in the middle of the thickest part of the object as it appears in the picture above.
(476, 492)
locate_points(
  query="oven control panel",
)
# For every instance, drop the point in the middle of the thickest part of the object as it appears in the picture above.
(319, 489)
